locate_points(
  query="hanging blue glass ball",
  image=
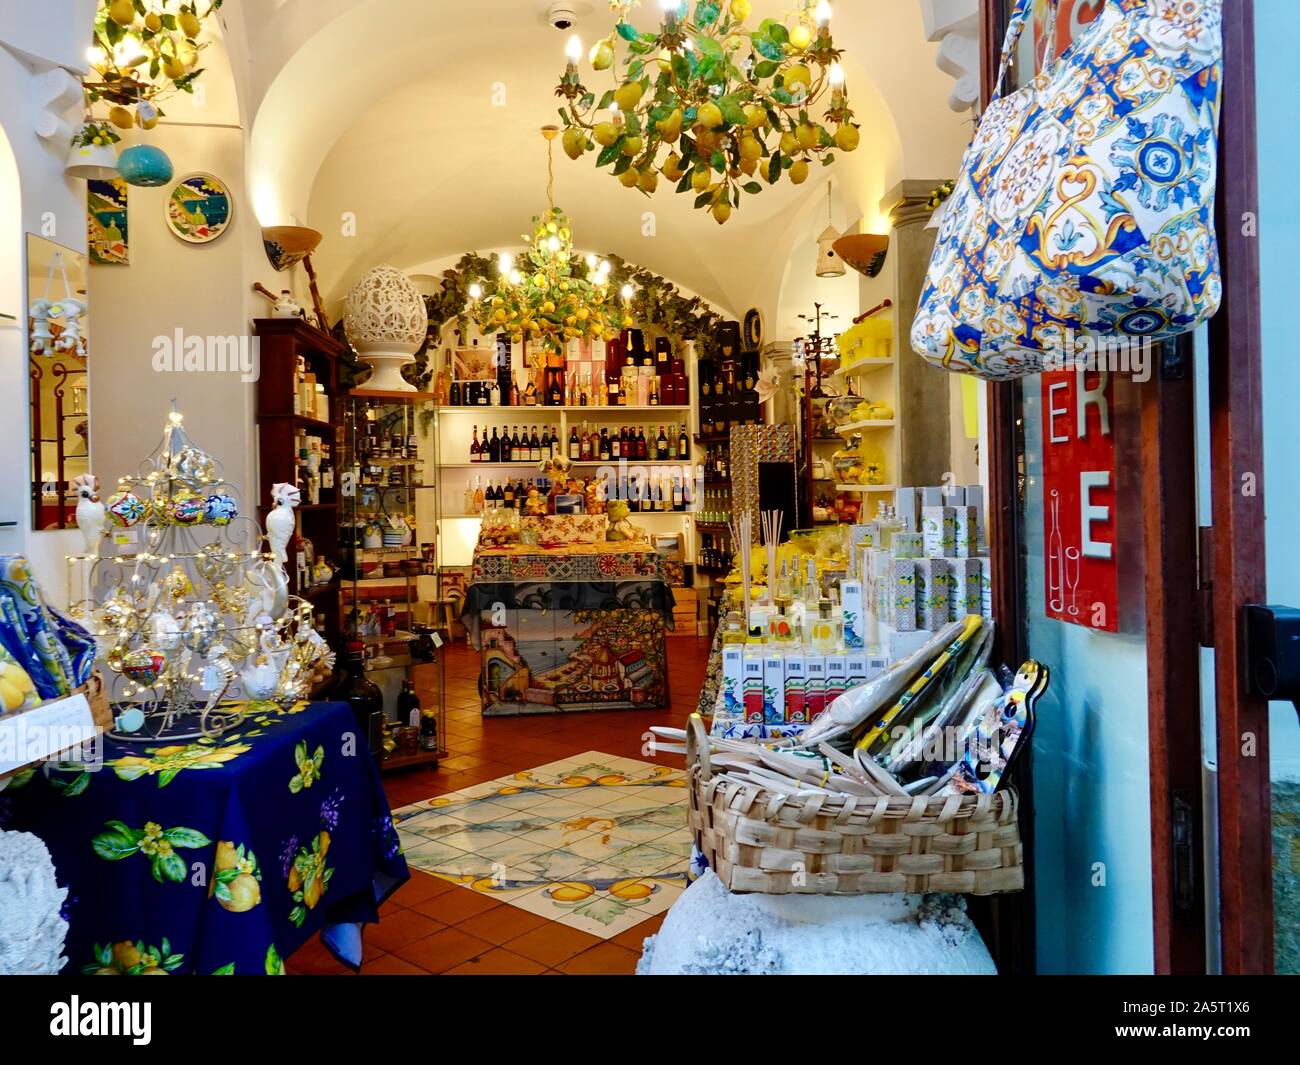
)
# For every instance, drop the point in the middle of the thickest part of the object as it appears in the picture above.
(145, 165)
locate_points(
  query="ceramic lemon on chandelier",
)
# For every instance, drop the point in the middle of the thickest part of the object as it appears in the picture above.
(711, 103)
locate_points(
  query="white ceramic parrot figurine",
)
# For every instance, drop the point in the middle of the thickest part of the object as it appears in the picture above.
(91, 514)
(280, 522)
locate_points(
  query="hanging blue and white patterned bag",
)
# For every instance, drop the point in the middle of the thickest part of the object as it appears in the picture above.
(1084, 207)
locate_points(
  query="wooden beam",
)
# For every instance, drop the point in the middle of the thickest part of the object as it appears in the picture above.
(1237, 480)
(1173, 677)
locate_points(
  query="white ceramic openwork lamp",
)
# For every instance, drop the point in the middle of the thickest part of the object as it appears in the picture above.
(386, 322)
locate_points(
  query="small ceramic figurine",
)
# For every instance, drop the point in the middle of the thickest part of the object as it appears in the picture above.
(286, 306)
(534, 504)
(280, 522)
(92, 515)
(621, 527)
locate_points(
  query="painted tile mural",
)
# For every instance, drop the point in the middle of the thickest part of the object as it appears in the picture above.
(595, 842)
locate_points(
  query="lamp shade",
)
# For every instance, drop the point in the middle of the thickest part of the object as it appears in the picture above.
(386, 321)
(144, 165)
(91, 161)
(287, 246)
(865, 252)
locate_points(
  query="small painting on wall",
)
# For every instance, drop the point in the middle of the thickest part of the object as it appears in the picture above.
(106, 222)
(199, 208)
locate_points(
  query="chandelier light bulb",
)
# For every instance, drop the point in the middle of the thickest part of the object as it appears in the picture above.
(573, 50)
(475, 291)
(553, 244)
(591, 262)
(515, 277)
(626, 292)
(823, 12)
(837, 75)
(507, 262)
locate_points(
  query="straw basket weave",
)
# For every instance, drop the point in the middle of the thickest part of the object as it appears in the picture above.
(763, 841)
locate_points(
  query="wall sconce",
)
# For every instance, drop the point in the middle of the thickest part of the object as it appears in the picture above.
(865, 252)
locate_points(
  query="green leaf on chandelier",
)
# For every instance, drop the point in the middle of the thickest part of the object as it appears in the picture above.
(706, 12)
(702, 199)
(606, 99)
(634, 69)
(718, 161)
(766, 69)
(685, 183)
(709, 46)
(585, 101)
(628, 32)
(782, 95)
(732, 113)
(752, 187)
(640, 47)
(774, 168)
(776, 31)
(707, 70)
(681, 67)
(609, 154)
(623, 164)
(766, 47)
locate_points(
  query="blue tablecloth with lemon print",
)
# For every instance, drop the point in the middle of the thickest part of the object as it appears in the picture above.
(220, 856)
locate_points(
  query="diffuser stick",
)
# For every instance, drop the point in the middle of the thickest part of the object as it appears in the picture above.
(742, 535)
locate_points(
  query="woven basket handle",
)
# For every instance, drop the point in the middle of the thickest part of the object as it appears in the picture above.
(697, 746)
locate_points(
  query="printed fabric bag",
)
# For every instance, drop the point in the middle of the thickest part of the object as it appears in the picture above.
(1084, 207)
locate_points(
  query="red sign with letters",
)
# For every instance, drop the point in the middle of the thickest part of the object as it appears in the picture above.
(1079, 535)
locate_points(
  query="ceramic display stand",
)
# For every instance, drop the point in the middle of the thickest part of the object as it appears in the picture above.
(31, 930)
(710, 931)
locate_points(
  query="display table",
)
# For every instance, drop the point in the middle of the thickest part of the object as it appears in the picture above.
(579, 627)
(219, 856)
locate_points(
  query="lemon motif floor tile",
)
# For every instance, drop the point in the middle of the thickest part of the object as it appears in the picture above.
(596, 842)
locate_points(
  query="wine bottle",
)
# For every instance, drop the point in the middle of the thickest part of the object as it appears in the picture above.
(475, 452)
(364, 696)
(575, 448)
(661, 445)
(454, 396)
(683, 445)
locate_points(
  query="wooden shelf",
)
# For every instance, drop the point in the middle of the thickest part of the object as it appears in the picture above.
(871, 423)
(866, 487)
(633, 409)
(399, 397)
(405, 761)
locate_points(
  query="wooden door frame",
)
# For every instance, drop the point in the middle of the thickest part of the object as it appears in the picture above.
(1237, 500)
(1173, 619)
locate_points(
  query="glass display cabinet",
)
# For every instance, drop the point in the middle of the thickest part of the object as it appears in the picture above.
(391, 595)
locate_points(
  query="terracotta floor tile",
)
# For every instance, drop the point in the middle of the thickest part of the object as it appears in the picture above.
(421, 886)
(314, 959)
(606, 959)
(453, 907)
(443, 950)
(501, 923)
(498, 962)
(398, 929)
(391, 965)
(552, 943)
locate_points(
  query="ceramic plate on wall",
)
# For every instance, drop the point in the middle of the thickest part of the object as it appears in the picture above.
(199, 208)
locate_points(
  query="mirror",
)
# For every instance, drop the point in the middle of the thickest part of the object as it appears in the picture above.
(57, 334)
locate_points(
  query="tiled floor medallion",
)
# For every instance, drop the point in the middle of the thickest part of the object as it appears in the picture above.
(593, 841)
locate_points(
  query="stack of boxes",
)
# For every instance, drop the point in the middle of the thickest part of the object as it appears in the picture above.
(917, 567)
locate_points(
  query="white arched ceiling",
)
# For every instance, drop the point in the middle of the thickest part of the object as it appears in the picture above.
(383, 110)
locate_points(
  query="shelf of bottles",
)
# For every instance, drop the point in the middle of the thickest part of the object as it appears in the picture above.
(390, 578)
(619, 409)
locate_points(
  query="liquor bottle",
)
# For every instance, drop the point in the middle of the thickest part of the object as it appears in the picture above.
(679, 496)
(575, 448)
(514, 390)
(683, 444)
(555, 396)
(590, 444)
(364, 696)
(428, 730)
(661, 445)
(516, 447)
(556, 450)
(494, 447)
(507, 494)
(479, 498)
(615, 446)
(606, 452)
(493, 393)
(475, 451)
(521, 494)
(642, 445)
(534, 447)
(530, 392)
(454, 397)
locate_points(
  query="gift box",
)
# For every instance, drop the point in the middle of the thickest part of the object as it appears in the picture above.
(908, 545)
(965, 532)
(751, 681)
(899, 587)
(933, 592)
(814, 685)
(967, 589)
(939, 530)
(796, 689)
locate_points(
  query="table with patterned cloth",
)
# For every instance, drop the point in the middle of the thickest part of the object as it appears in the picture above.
(218, 856)
(579, 627)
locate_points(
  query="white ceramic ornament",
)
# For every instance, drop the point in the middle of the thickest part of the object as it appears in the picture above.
(386, 321)
(280, 522)
(92, 516)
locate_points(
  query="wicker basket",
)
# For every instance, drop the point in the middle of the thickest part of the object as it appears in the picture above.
(763, 841)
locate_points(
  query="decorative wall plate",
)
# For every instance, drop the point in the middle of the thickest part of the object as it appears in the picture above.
(199, 208)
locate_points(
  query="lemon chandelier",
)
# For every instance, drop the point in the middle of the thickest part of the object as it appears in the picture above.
(550, 296)
(709, 103)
